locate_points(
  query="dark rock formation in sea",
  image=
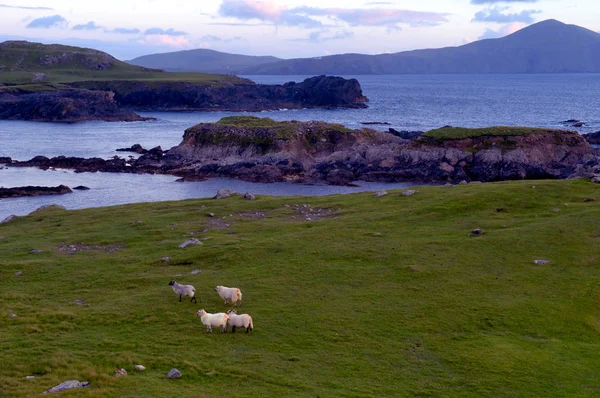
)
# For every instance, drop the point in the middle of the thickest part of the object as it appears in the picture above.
(33, 191)
(593, 138)
(65, 106)
(263, 150)
(314, 92)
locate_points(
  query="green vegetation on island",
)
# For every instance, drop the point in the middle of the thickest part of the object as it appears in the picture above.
(459, 133)
(350, 295)
(31, 67)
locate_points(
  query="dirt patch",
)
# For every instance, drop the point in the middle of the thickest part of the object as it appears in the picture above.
(305, 212)
(73, 248)
(257, 214)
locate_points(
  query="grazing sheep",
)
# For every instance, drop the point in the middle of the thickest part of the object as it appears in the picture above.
(240, 321)
(184, 290)
(230, 294)
(210, 320)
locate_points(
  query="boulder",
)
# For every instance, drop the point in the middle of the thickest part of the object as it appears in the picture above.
(8, 219)
(380, 194)
(120, 372)
(67, 385)
(174, 374)
(541, 262)
(139, 367)
(17, 192)
(48, 207)
(223, 193)
(249, 196)
(409, 192)
(81, 188)
(189, 242)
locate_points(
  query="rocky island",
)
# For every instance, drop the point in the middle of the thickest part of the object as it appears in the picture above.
(69, 84)
(264, 150)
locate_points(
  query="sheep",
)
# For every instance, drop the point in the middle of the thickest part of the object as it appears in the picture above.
(210, 320)
(240, 321)
(232, 294)
(184, 290)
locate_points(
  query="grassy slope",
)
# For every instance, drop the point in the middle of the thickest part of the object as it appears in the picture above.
(457, 133)
(392, 297)
(22, 63)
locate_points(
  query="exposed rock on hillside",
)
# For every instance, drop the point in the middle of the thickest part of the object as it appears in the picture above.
(65, 106)
(315, 92)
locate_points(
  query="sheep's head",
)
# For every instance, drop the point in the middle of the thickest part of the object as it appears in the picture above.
(217, 288)
(232, 312)
(200, 312)
(171, 283)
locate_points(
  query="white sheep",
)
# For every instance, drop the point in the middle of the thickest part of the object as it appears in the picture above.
(228, 294)
(240, 321)
(184, 290)
(210, 320)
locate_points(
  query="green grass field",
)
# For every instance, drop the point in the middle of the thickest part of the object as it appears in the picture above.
(386, 296)
(458, 133)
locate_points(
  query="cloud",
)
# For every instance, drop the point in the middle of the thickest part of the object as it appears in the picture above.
(217, 39)
(54, 21)
(26, 7)
(496, 14)
(123, 31)
(164, 32)
(321, 37)
(308, 17)
(265, 11)
(502, 1)
(377, 16)
(91, 25)
(165, 41)
(501, 32)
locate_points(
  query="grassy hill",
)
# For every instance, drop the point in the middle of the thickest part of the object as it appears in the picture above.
(351, 295)
(201, 60)
(35, 66)
(546, 47)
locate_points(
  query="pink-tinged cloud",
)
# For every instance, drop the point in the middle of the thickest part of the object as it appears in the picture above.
(503, 31)
(166, 41)
(308, 17)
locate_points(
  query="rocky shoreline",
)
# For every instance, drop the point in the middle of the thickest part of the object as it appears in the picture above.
(262, 150)
(118, 100)
(18, 192)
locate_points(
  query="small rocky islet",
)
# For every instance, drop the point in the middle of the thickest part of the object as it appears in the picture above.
(263, 150)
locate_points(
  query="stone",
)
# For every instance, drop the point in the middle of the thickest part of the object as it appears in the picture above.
(596, 180)
(79, 302)
(30, 377)
(8, 219)
(448, 185)
(541, 262)
(475, 182)
(139, 367)
(463, 182)
(81, 188)
(120, 372)
(380, 194)
(12, 315)
(409, 192)
(18, 273)
(195, 272)
(67, 385)
(48, 207)
(35, 251)
(223, 193)
(174, 374)
(556, 210)
(249, 196)
(211, 214)
(165, 259)
(477, 232)
(189, 242)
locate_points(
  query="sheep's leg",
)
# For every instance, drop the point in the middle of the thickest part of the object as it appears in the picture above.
(248, 329)
(208, 329)
(180, 298)
(193, 299)
(233, 329)
(223, 329)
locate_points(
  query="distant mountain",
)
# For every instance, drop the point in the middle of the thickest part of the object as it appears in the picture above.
(201, 60)
(546, 47)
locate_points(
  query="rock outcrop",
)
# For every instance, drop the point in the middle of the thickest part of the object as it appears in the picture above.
(65, 106)
(263, 150)
(33, 191)
(315, 92)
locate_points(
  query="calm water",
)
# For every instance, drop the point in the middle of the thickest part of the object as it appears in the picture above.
(406, 102)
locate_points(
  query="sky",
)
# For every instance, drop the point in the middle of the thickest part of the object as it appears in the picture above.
(286, 29)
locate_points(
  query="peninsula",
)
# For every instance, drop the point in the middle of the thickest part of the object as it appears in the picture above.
(69, 84)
